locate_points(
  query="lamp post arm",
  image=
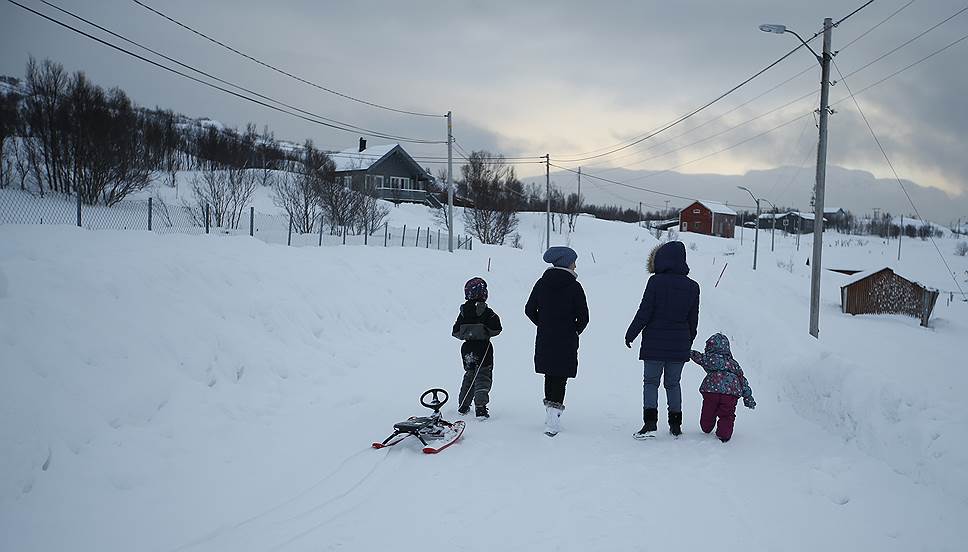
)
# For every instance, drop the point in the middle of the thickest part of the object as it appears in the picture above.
(804, 42)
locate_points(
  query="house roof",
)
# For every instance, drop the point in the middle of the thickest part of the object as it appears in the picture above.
(832, 210)
(717, 208)
(804, 216)
(354, 160)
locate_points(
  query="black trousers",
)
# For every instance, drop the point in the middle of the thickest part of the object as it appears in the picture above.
(554, 388)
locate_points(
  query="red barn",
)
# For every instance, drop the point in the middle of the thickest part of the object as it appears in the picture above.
(706, 217)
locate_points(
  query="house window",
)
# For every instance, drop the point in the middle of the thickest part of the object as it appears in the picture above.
(378, 180)
(401, 183)
(695, 211)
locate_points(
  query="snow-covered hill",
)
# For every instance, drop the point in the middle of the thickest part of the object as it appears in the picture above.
(219, 393)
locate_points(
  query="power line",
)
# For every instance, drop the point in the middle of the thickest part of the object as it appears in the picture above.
(888, 77)
(206, 83)
(758, 96)
(799, 98)
(909, 41)
(282, 71)
(898, 178)
(687, 115)
(228, 83)
(619, 147)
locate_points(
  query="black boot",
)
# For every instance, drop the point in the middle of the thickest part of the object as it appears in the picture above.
(650, 416)
(675, 423)
(480, 412)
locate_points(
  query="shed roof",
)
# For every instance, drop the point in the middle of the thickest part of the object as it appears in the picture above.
(868, 273)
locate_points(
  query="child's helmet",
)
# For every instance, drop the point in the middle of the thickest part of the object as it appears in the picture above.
(475, 290)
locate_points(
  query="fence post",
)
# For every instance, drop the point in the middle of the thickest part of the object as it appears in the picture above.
(78, 206)
(470, 243)
(404, 235)
(438, 239)
(428, 237)
(251, 221)
(386, 232)
(320, 230)
(206, 218)
(149, 214)
(366, 234)
(289, 239)
(344, 235)
(416, 241)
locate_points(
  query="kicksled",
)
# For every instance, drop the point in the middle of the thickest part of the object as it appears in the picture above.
(433, 432)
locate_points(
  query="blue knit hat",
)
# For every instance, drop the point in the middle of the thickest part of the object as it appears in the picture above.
(475, 290)
(560, 256)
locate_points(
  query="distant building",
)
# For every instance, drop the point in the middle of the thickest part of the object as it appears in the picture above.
(885, 292)
(386, 171)
(707, 217)
(794, 222)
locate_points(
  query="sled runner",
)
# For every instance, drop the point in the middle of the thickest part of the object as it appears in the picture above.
(434, 432)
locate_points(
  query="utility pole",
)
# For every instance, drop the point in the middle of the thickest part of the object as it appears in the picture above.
(450, 183)
(579, 185)
(548, 197)
(815, 268)
(900, 233)
(756, 238)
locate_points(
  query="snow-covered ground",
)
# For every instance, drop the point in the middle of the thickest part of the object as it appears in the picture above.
(173, 392)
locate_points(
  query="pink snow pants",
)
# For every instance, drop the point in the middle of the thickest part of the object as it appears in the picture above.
(722, 406)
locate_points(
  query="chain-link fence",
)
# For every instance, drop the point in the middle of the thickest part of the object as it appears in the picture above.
(21, 207)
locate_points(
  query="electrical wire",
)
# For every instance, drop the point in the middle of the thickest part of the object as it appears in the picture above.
(206, 83)
(282, 71)
(225, 82)
(847, 45)
(890, 164)
(619, 147)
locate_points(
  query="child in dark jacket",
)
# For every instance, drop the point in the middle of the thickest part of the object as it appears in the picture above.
(721, 389)
(475, 326)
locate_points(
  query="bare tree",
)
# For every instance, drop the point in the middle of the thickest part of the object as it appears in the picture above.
(573, 205)
(297, 195)
(489, 182)
(371, 212)
(226, 193)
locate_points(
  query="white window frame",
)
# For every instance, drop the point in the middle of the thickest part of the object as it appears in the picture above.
(695, 211)
(378, 179)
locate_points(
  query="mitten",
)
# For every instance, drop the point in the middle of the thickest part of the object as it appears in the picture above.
(748, 402)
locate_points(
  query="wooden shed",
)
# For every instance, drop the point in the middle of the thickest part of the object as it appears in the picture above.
(885, 292)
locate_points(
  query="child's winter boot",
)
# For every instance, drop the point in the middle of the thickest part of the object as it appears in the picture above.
(481, 412)
(675, 423)
(650, 416)
(553, 412)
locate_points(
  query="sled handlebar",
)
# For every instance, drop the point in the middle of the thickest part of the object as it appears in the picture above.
(436, 403)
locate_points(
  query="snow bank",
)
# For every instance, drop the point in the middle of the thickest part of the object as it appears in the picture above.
(219, 393)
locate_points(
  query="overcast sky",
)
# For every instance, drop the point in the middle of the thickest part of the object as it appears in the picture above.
(525, 78)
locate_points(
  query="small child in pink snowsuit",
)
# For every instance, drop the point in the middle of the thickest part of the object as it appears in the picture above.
(721, 389)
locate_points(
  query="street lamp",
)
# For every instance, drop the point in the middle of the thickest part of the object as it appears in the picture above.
(824, 61)
(756, 239)
(772, 226)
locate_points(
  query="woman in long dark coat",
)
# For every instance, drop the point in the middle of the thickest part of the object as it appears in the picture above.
(557, 306)
(667, 319)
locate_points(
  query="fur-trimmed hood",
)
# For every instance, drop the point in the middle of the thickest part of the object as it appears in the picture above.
(669, 257)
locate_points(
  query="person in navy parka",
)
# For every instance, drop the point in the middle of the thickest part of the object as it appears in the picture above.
(557, 306)
(667, 319)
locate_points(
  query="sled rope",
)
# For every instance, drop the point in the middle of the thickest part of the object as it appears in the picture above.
(470, 390)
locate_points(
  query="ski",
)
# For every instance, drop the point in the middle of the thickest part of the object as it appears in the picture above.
(450, 436)
(644, 436)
